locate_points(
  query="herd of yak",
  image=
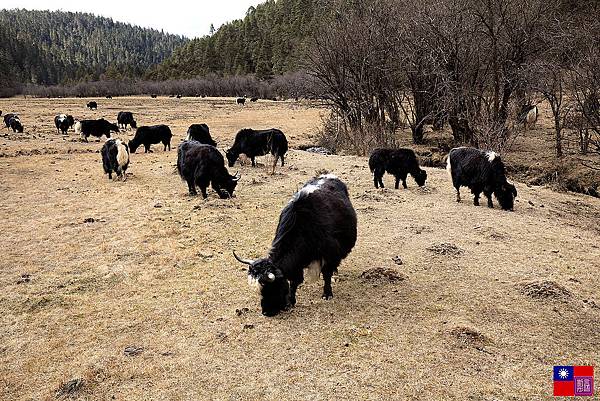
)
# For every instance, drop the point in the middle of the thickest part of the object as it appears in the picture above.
(317, 228)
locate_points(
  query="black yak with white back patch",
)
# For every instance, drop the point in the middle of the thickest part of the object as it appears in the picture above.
(150, 135)
(397, 162)
(202, 165)
(92, 105)
(200, 133)
(115, 157)
(63, 122)
(481, 171)
(15, 124)
(97, 128)
(316, 231)
(7, 118)
(254, 143)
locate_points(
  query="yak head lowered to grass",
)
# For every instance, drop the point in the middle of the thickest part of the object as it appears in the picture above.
(274, 288)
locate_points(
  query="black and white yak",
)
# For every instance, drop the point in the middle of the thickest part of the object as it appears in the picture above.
(241, 100)
(397, 162)
(97, 128)
(7, 118)
(92, 105)
(151, 135)
(200, 133)
(481, 171)
(63, 122)
(528, 115)
(15, 124)
(125, 118)
(115, 158)
(254, 143)
(201, 165)
(316, 231)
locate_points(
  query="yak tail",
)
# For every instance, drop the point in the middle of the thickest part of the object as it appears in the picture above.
(122, 154)
(78, 128)
(448, 165)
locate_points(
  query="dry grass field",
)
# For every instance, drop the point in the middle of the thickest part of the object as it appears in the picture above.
(129, 291)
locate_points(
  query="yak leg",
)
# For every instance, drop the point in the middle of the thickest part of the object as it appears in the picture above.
(488, 195)
(378, 178)
(476, 194)
(457, 194)
(293, 287)
(282, 162)
(110, 175)
(327, 274)
(192, 187)
(274, 164)
(401, 177)
(253, 161)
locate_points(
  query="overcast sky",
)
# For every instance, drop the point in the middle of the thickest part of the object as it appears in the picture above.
(191, 18)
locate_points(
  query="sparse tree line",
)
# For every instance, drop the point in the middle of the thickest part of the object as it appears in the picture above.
(473, 64)
(288, 86)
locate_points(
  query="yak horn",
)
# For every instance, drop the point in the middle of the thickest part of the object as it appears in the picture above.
(244, 261)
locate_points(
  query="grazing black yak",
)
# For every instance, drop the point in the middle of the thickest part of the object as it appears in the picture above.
(202, 165)
(200, 133)
(125, 118)
(316, 231)
(254, 143)
(397, 162)
(92, 105)
(482, 172)
(115, 157)
(151, 135)
(97, 128)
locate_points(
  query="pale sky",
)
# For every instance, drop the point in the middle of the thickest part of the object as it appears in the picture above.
(190, 18)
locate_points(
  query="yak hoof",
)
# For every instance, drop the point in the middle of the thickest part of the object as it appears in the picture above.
(327, 297)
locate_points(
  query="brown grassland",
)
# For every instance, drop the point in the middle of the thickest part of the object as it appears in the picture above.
(129, 291)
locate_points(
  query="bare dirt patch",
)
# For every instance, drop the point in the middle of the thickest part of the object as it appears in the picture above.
(546, 290)
(383, 274)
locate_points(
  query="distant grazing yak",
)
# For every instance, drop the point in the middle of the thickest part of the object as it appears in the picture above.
(254, 99)
(15, 124)
(528, 115)
(397, 162)
(92, 105)
(7, 118)
(200, 133)
(63, 122)
(115, 158)
(97, 128)
(202, 165)
(316, 231)
(125, 118)
(241, 100)
(153, 96)
(254, 143)
(481, 171)
(148, 136)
